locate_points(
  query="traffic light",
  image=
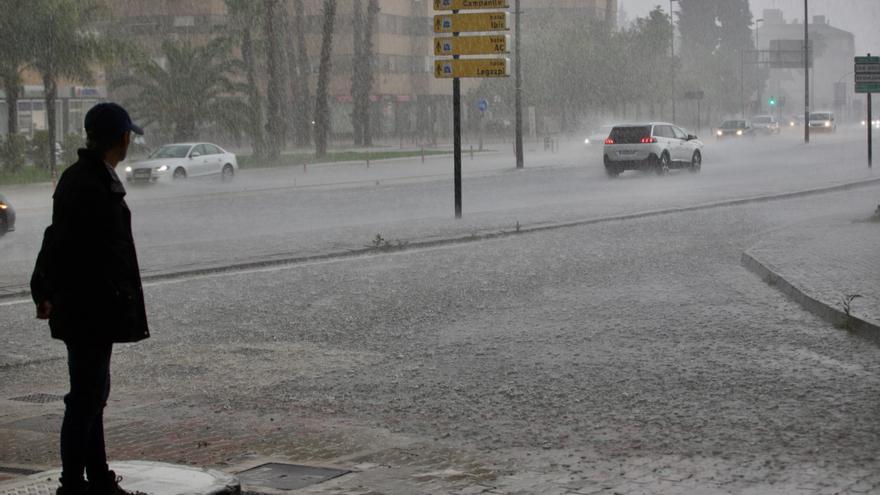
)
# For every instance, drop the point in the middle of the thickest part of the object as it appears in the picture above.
(772, 101)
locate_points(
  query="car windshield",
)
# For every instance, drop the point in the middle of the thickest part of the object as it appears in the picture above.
(820, 116)
(171, 151)
(733, 124)
(763, 120)
(630, 134)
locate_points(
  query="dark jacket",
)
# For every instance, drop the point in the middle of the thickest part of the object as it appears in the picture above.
(87, 266)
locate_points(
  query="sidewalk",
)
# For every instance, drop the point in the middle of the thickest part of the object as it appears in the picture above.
(822, 264)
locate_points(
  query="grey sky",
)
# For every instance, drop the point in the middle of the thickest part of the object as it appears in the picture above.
(861, 17)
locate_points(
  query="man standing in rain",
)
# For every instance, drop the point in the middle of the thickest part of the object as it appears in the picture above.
(87, 284)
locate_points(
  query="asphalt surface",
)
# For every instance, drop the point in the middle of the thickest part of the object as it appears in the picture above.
(274, 213)
(637, 355)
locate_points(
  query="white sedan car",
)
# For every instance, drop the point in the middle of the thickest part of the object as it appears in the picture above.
(182, 160)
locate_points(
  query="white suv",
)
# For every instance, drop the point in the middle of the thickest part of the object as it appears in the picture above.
(655, 146)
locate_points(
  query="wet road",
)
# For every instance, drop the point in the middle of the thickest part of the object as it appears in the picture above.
(637, 356)
(285, 212)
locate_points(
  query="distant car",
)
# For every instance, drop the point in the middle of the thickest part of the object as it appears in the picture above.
(182, 160)
(7, 216)
(795, 120)
(766, 124)
(654, 146)
(734, 128)
(875, 123)
(822, 122)
(598, 136)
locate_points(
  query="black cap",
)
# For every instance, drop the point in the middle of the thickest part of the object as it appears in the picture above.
(109, 121)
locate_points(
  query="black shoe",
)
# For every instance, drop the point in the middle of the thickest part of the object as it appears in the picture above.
(109, 486)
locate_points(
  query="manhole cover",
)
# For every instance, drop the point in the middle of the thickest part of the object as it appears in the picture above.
(285, 477)
(38, 398)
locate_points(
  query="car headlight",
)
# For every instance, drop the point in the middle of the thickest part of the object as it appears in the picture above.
(827, 124)
(587, 141)
(162, 168)
(739, 132)
(128, 170)
(719, 133)
(3, 205)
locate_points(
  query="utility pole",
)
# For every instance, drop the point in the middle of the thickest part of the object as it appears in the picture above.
(518, 148)
(672, 61)
(806, 72)
(742, 84)
(758, 86)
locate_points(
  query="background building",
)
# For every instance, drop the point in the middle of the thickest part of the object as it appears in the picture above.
(831, 83)
(408, 102)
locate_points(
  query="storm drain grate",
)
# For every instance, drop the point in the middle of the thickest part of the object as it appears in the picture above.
(278, 476)
(38, 398)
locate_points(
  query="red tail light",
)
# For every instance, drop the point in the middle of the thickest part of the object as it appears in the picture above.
(609, 141)
(649, 140)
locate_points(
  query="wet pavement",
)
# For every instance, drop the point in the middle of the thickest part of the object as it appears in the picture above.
(834, 259)
(635, 356)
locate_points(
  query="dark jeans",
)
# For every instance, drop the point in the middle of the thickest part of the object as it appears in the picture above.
(82, 432)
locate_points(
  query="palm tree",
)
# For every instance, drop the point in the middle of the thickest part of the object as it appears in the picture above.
(322, 110)
(276, 92)
(65, 48)
(302, 97)
(245, 21)
(194, 86)
(16, 49)
(362, 75)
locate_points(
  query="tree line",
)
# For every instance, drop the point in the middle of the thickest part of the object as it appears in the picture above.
(252, 81)
(578, 70)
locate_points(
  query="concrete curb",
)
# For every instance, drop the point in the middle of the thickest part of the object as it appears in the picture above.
(825, 310)
(285, 258)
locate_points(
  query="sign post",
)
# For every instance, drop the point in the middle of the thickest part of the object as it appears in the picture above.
(867, 79)
(455, 68)
(698, 97)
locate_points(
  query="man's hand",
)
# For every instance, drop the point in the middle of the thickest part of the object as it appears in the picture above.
(44, 310)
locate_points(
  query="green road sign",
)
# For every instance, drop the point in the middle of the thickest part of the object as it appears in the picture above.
(867, 87)
(470, 4)
(868, 77)
(868, 60)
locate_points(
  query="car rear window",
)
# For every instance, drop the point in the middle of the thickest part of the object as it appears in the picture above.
(820, 116)
(630, 134)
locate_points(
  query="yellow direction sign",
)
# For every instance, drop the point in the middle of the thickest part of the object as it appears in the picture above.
(472, 23)
(473, 67)
(470, 4)
(496, 44)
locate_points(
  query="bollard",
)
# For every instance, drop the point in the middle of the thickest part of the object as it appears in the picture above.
(305, 169)
(368, 162)
(472, 152)
(423, 154)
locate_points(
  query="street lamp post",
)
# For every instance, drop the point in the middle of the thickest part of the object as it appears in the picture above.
(672, 61)
(806, 72)
(758, 86)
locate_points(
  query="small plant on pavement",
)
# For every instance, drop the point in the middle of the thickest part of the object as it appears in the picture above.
(846, 302)
(381, 244)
